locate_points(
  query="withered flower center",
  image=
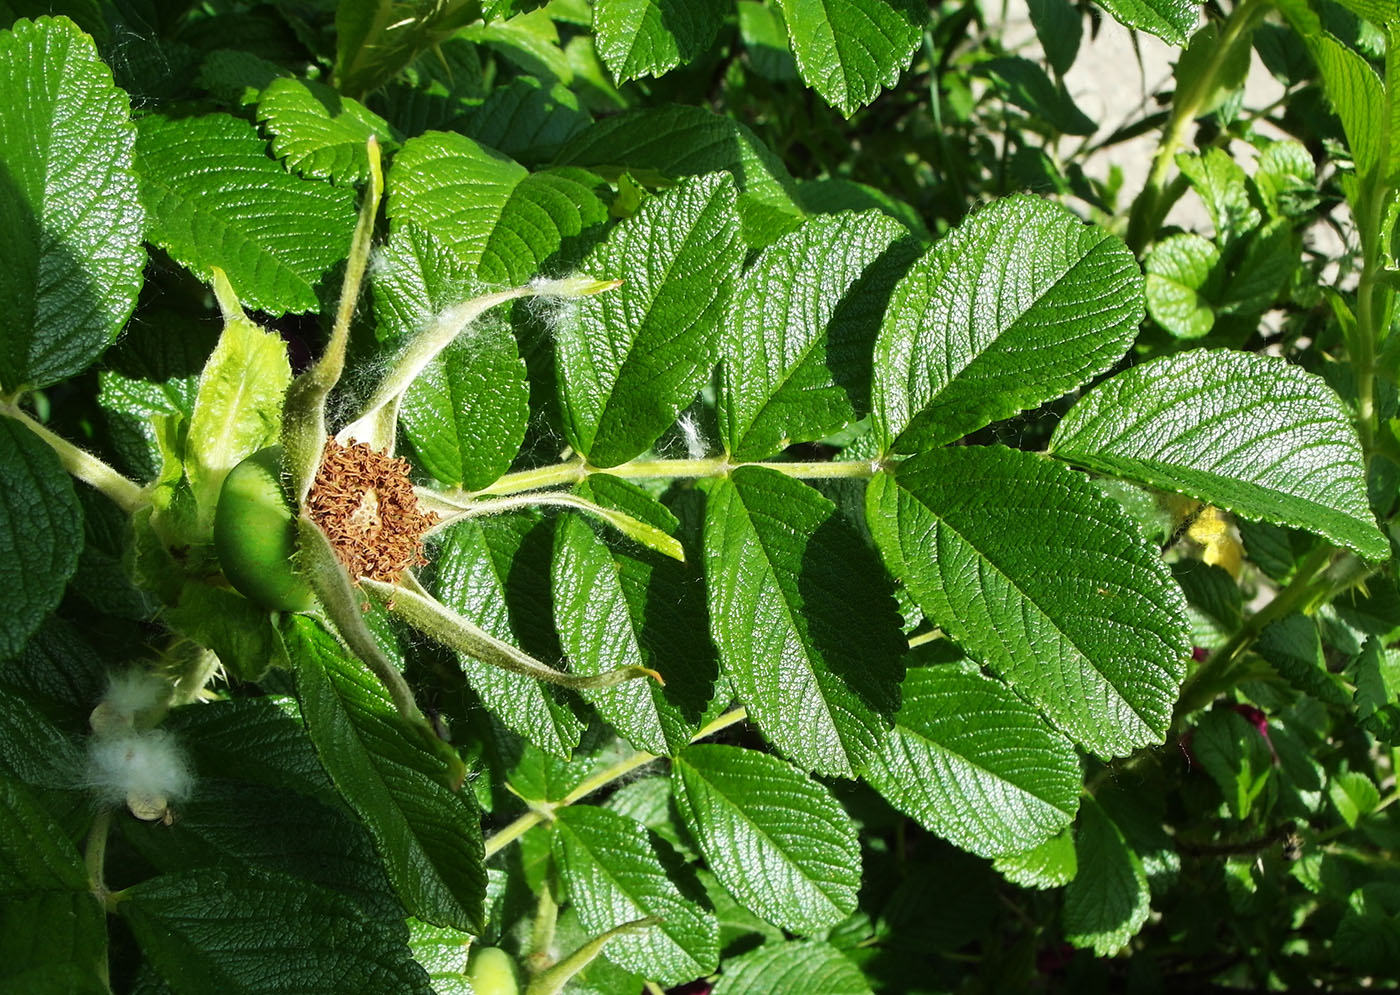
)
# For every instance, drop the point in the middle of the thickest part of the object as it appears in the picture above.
(363, 501)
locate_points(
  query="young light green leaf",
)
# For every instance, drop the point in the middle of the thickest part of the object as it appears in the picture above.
(41, 529)
(792, 967)
(1019, 304)
(1221, 184)
(614, 875)
(1043, 578)
(774, 837)
(1181, 280)
(975, 764)
(497, 573)
(320, 134)
(238, 406)
(807, 631)
(427, 831)
(796, 361)
(53, 931)
(639, 38)
(618, 607)
(1107, 902)
(848, 51)
(275, 235)
(240, 932)
(1354, 795)
(71, 256)
(1376, 674)
(630, 360)
(1169, 20)
(1358, 96)
(500, 219)
(1252, 434)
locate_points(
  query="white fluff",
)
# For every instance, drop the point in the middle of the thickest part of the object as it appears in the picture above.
(134, 691)
(138, 765)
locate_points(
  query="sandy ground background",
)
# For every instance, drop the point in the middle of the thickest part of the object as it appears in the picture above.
(1114, 85)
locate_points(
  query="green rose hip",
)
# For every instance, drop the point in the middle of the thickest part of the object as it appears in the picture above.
(255, 535)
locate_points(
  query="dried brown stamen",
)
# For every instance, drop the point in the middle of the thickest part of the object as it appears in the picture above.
(363, 501)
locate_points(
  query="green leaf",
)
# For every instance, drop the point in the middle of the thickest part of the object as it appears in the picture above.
(1050, 864)
(1107, 902)
(848, 50)
(504, 222)
(1059, 25)
(1237, 757)
(792, 967)
(497, 573)
(614, 875)
(1222, 186)
(41, 533)
(466, 413)
(799, 333)
(53, 930)
(1367, 938)
(235, 931)
(1180, 285)
(631, 359)
(529, 120)
(1169, 20)
(1376, 674)
(639, 38)
(1251, 434)
(1358, 96)
(677, 142)
(766, 41)
(776, 839)
(235, 824)
(427, 830)
(1019, 304)
(277, 237)
(1043, 578)
(801, 612)
(1293, 647)
(1354, 795)
(1024, 84)
(617, 606)
(71, 256)
(320, 134)
(237, 407)
(377, 38)
(975, 764)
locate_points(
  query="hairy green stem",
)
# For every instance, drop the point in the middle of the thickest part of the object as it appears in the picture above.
(574, 470)
(409, 601)
(124, 493)
(539, 812)
(304, 409)
(1151, 206)
(95, 854)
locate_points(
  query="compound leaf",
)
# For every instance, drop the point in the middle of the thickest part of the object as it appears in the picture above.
(319, 133)
(807, 631)
(629, 360)
(615, 876)
(1043, 578)
(848, 50)
(976, 764)
(1251, 434)
(776, 839)
(638, 38)
(1019, 304)
(427, 831)
(792, 967)
(1107, 902)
